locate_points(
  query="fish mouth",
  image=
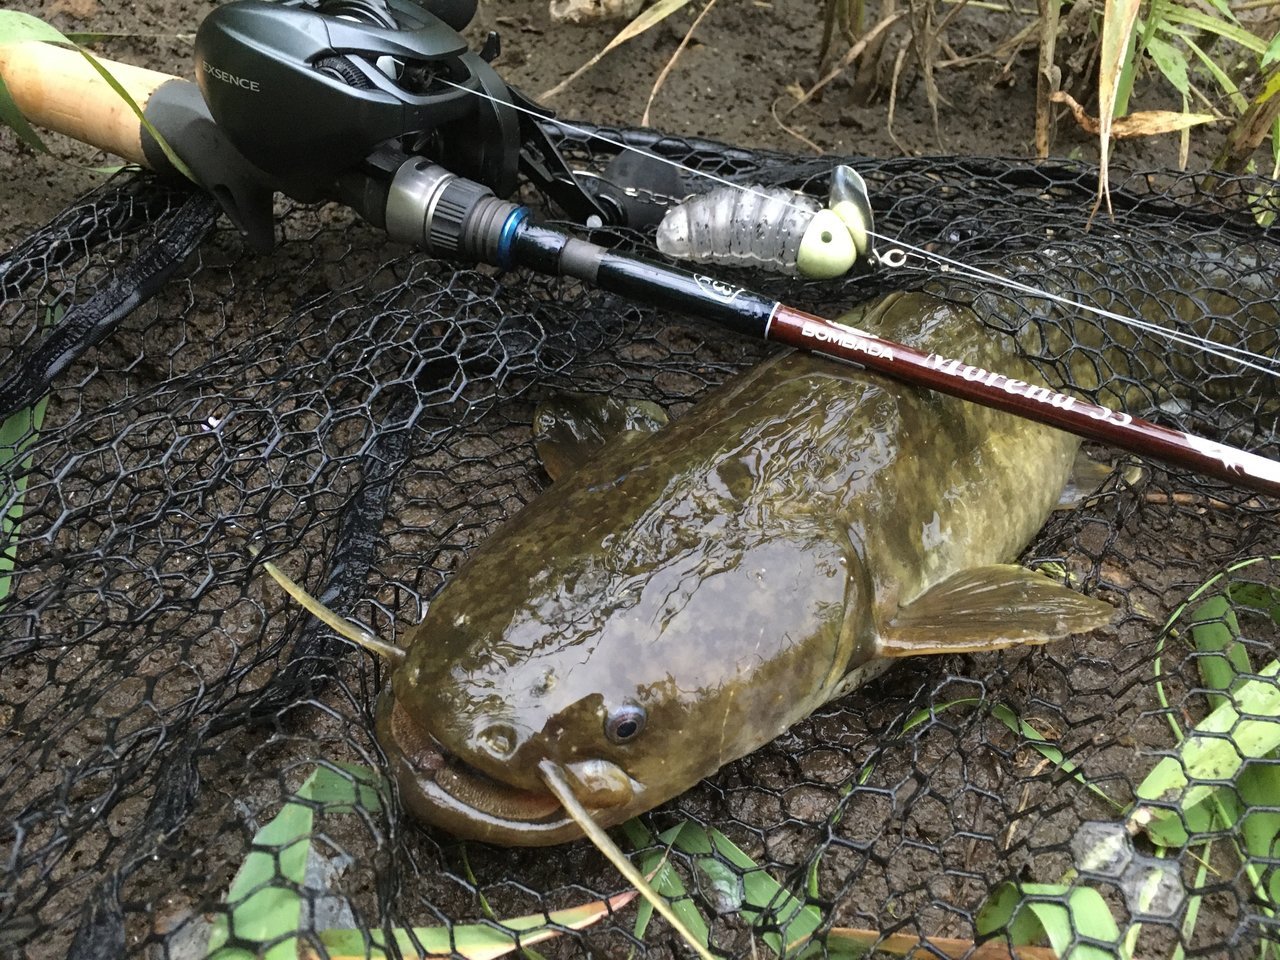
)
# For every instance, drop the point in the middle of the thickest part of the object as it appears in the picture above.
(442, 789)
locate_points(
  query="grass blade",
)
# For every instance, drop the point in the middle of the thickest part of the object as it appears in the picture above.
(1118, 22)
(477, 941)
(1244, 727)
(1201, 21)
(850, 942)
(665, 880)
(1022, 728)
(1031, 913)
(647, 18)
(18, 27)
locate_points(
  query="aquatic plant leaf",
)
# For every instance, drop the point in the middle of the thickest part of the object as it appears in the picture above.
(264, 905)
(477, 941)
(1027, 915)
(1245, 726)
(851, 942)
(763, 899)
(665, 879)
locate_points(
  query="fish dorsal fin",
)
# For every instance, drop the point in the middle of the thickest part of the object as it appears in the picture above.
(990, 608)
(568, 429)
(1087, 477)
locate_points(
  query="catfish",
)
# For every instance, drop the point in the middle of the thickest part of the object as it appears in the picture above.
(684, 592)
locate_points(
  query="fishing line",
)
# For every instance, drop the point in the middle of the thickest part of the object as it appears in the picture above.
(1268, 366)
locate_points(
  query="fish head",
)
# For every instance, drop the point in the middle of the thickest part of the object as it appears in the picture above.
(632, 714)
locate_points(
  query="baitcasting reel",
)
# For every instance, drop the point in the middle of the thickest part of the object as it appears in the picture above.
(326, 99)
(305, 90)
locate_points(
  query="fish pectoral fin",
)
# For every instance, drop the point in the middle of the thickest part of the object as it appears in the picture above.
(990, 608)
(569, 429)
(1087, 477)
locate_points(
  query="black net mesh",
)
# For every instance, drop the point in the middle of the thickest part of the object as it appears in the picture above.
(362, 412)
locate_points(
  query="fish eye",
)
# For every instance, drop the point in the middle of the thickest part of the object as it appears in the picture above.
(624, 723)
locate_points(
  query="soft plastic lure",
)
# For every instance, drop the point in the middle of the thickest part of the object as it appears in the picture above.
(773, 228)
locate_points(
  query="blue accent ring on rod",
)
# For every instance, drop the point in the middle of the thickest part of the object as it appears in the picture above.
(507, 236)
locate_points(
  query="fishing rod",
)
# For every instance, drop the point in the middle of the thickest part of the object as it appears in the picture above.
(390, 112)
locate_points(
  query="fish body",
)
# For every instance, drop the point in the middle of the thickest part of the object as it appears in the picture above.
(684, 596)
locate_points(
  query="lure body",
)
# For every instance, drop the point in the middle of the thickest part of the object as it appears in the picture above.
(760, 227)
(772, 228)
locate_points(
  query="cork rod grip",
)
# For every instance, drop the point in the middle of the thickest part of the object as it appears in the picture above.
(58, 89)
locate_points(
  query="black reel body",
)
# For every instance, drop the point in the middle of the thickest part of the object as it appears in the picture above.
(306, 91)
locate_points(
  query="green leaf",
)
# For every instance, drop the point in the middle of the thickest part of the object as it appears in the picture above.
(1171, 62)
(1245, 726)
(1215, 633)
(1272, 53)
(1023, 914)
(1199, 20)
(761, 900)
(1223, 8)
(263, 903)
(264, 906)
(1219, 75)
(344, 789)
(18, 433)
(665, 879)
(1259, 789)
(18, 27)
(170, 154)
(12, 117)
